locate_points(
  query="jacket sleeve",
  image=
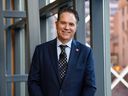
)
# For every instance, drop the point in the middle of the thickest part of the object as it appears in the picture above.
(89, 86)
(34, 88)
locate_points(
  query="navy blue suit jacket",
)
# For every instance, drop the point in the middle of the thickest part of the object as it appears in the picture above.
(43, 79)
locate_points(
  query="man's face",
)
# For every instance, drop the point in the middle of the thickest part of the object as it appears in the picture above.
(66, 27)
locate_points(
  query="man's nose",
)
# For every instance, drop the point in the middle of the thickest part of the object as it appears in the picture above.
(67, 26)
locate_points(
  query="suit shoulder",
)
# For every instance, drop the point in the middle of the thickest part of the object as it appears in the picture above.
(46, 44)
(83, 46)
(84, 49)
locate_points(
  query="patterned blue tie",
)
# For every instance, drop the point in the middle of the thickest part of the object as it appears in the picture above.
(62, 66)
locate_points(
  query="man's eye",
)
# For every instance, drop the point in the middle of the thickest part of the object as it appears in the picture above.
(71, 24)
(62, 22)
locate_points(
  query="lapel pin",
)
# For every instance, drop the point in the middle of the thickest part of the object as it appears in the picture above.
(77, 49)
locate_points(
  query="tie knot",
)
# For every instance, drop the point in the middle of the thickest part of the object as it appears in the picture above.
(63, 47)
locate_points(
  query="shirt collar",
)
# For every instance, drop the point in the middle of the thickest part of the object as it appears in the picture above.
(60, 43)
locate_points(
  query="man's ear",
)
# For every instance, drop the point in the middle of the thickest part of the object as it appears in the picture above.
(56, 23)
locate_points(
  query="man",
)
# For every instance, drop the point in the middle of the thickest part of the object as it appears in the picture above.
(69, 72)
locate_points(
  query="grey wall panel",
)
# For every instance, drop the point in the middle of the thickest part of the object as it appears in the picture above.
(101, 45)
(2, 55)
(79, 5)
(33, 24)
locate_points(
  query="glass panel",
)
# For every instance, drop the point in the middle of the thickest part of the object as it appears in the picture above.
(16, 57)
(16, 51)
(120, 90)
(51, 28)
(43, 3)
(126, 78)
(3, 1)
(87, 23)
(49, 1)
(14, 5)
(17, 89)
(119, 45)
(113, 77)
(20, 5)
(52, 1)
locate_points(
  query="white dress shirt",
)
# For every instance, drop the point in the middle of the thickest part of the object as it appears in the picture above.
(67, 50)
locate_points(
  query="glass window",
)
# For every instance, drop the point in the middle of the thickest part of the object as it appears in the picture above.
(52, 1)
(49, 1)
(119, 45)
(17, 89)
(51, 28)
(87, 23)
(16, 40)
(43, 3)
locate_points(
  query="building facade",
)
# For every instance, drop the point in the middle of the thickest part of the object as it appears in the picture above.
(119, 45)
(25, 24)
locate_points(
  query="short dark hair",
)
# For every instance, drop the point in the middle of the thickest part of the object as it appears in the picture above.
(70, 10)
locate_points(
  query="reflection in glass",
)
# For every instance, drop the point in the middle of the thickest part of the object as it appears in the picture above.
(119, 45)
(87, 23)
(51, 29)
(16, 52)
(120, 90)
(17, 89)
(49, 1)
(126, 77)
(113, 77)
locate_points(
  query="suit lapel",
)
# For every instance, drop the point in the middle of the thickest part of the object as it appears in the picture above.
(73, 58)
(54, 59)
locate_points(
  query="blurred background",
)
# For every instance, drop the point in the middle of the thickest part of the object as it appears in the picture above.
(27, 23)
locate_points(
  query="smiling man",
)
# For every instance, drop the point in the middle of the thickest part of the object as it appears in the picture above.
(63, 66)
(66, 26)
